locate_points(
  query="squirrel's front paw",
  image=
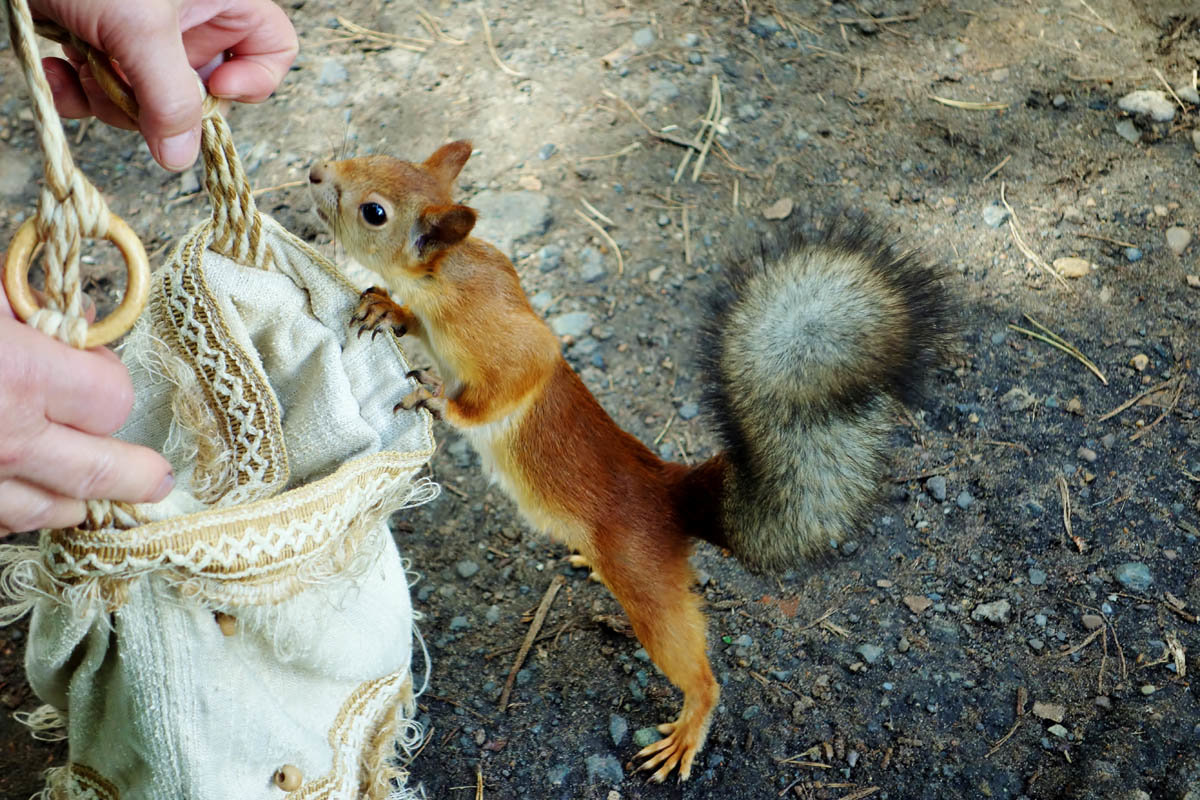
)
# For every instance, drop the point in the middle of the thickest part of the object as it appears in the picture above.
(376, 311)
(430, 394)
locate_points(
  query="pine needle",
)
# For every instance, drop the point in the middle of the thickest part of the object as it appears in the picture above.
(1054, 340)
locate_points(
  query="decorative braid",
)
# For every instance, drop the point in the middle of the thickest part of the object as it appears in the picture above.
(69, 206)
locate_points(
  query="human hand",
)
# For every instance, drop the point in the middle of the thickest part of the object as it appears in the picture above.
(58, 406)
(159, 46)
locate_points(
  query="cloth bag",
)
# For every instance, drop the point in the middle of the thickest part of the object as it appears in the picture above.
(251, 636)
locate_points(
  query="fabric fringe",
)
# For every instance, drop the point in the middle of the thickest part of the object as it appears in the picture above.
(46, 723)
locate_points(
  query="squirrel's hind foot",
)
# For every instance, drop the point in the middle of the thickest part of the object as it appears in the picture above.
(683, 741)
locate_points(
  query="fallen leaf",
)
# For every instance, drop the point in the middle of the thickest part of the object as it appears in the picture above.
(780, 209)
(1072, 267)
(916, 603)
(1050, 711)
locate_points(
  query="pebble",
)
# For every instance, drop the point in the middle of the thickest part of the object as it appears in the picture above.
(506, 218)
(870, 652)
(1091, 621)
(1134, 254)
(994, 215)
(591, 267)
(646, 736)
(557, 776)
(1189, 93)
(643, 37)
(849, 548)
(1087, 454)
(964, 500)
(748, 112)
(903, 645)
(751, 712)
(546, 151)
(1128, 131)
(917, 604)
(604, 768)
(188, 182)
(1036, 644)
(1059, 101)
(695, 58)
(459, 623)
(663, 91)
(689, 39)
(466, 569)
(332, 71)
(1134, 575)
(572, 323)
(1149, 690)
(618, 726)
(1017, 399)
(1151, 102)
(1040, 620)
(550, 258)
(1178, 239)
(996, 612)
(936, 486)
(1037, 577)
(764, 27)
(1196, 139)
(492, 616)
(802, 136)
(1057, 730)
(689, 410)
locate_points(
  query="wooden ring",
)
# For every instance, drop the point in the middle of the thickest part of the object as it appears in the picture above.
(137, 285)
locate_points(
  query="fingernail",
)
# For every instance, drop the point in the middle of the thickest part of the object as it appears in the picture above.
(164, 488)
(179, 152)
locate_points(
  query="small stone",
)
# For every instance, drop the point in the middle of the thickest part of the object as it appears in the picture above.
(558, 775)
(994, 215)
(466, 569)
(1149, 690)
(936, 486)
(1057, 730)
(550, 258)
(1193, 281)
(689, 410)
(663, 91)
(604, 769)
(459, 623)
(1133, 254)
(1037, 577)
(801, 136)
(1087, 454)
(995, 612)
(547, 150)
(1196, 140)
(689, 39)
(492, 615)
(591, 267)
(572, 323)
(917, 604)
(748, 112)
(903, 645)
(780, 209)
(1134, 575)
(618, 726)
(1072, 267)
(764, 27)
(655, 274)
(964, 500)
(1103, 702)
(1178, 239)
(646, 736)
(332, 72)
(870, 653)
(1128, 131)
(1091, 621)
(1189, 93)
(1150, 102)
(643, 37)
(1140, 362)
(1035, 644)
(750, 712)
(1050, 711)
(1017, 399)
(1059, 101)
(188, 182)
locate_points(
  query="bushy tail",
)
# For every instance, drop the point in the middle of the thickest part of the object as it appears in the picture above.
(810, 347)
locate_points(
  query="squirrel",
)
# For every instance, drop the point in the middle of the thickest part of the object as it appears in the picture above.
(811, 347)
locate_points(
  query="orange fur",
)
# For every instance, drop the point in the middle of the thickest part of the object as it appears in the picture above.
(571, 470)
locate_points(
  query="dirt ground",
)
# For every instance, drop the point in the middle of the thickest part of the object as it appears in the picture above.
(1019, 618)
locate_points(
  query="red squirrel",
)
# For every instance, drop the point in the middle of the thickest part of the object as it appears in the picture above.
(810, 346)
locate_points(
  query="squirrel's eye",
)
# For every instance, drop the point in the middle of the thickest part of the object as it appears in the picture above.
(373, 214)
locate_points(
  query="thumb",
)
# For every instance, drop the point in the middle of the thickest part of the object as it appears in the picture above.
(151, 55)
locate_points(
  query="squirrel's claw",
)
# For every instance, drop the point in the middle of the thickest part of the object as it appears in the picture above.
(676, 751)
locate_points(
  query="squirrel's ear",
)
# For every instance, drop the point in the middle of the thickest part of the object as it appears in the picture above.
(443, 226)
(448, 161)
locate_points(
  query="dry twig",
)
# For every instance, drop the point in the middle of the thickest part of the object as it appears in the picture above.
(604, 234)
(539, 618)
(487, 37)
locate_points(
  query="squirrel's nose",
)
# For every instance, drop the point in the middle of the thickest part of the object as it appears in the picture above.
(317, 174)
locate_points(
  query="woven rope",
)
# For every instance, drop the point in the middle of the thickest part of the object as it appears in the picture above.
(69, 206)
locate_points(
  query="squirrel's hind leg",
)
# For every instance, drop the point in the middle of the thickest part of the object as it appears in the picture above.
(655, 592)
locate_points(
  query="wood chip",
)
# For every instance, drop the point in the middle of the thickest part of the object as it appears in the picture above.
(780, 209)
(917, 604)
(1050, 711)
(1072, 267)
